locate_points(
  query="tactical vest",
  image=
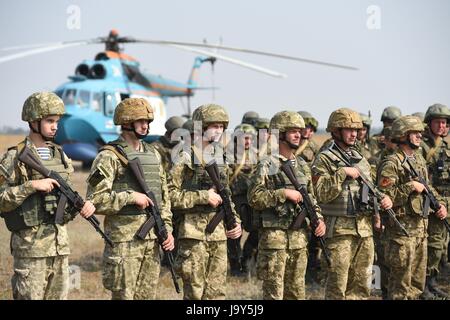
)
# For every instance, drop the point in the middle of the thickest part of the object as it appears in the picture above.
(283, 214)
(348, 202)
(150, 166)
(39, 208)
(201, 181)
(439, 167)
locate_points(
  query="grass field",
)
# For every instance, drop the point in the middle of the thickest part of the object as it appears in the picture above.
(87, 247)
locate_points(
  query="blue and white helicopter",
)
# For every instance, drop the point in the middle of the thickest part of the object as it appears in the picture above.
(98, 85)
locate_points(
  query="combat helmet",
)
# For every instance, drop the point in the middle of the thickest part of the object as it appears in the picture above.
(40, 105)
(344, 118)
(285, 120)
(132, 109)
(437, 110)
(309, 119)
(211, 113)
(405, 124)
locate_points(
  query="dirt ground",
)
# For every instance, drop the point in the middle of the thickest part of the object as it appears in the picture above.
(87, 248)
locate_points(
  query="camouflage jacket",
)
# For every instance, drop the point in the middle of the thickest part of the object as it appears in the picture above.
(276, 213)
(395, 180)
(122, 228)
(45, 240)
(164, 149)
(309, 152)
(437, 155)
(329, 180)
(188, 188)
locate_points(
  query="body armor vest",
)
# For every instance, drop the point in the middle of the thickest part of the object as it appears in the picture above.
(439, 167)
(150, 166)
(39, 208)
(348, 203)
(283, 214)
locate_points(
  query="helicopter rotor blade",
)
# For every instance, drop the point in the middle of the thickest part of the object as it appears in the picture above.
(237, 49)
(48, 48)
(232, 60)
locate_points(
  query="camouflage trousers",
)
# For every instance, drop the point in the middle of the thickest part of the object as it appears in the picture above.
(437, 244)
(350, 273)
(283, 273)
(131, 269)
(203, 267)
(381, 246)
(407, 260)
(41, 278)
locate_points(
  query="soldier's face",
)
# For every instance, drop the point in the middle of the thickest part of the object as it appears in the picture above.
(307, 132)
(362, 133)
(415, 137)
(49, 126)
(141, 126)
(349, 136)
(294, 136)
(439, 126)
(247, 141)
(214, 132)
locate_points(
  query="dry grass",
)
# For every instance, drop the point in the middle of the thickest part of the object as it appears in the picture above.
(87, 248)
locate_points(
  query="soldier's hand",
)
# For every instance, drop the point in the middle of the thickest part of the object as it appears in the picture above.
(293, 195)
(169, 244)
(44, 185)
(386, 203)
(214, 199)
(234, 233)
(320, 229)
(418, 187)
(141, 200)
(442, 212)
(351, 172)
(87, 210)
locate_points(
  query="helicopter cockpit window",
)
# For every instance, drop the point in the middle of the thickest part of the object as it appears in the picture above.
(96, 101)
(83, 98)
(110, 104)
(69, 96)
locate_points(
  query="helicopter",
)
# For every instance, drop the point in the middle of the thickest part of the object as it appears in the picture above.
(99, 84)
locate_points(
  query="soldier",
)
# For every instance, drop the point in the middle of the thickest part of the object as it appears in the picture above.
(164, 145)
(250, 117)
(242, 171)
(436, 152)
(282, 254)
(407, 255)
(262, 130)
(348, 220)
(131, 268)
(308, 149)
(202, 257)
(363, 139)
(388, 116)
(28, 203)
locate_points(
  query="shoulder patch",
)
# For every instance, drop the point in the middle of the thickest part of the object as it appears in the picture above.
(97, 176)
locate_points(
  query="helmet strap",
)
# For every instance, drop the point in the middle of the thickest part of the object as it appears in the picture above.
(291, 145)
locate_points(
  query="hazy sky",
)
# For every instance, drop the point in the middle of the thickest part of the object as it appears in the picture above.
(405, 62)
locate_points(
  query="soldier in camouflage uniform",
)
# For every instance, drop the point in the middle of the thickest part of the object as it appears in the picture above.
(436, 152)
(282, 251)
(28, 202)
(407, 255)
(242, 171)
(262, 130)
(250, 117)
(130, 268)
(164, 145)
(388, 116)
(202, 257)
(363, 144)
(349, 222)
(308, 148)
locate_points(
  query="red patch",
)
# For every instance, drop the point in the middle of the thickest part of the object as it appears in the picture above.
(386, 182)
(315, 178)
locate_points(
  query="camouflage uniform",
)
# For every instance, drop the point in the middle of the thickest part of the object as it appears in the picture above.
(436, 152)
(39, 246)
(130, 268)
(282, 251)
(202, 257)
(242, 171)
(308, 148)
(406, 255)
(349, 224)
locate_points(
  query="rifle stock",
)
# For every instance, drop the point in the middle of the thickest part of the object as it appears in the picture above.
(67, 194)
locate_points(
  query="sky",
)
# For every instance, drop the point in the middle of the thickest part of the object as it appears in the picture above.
(401, 48)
